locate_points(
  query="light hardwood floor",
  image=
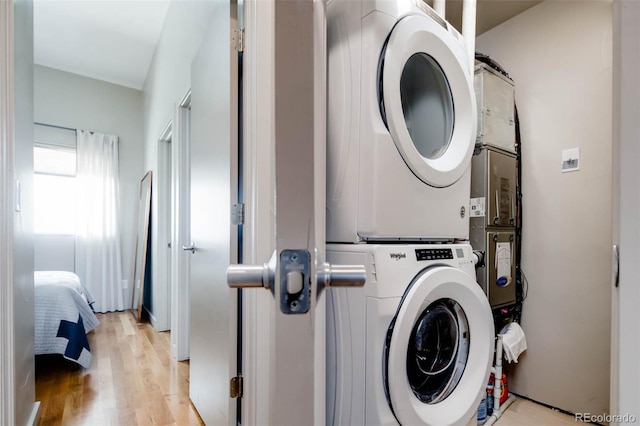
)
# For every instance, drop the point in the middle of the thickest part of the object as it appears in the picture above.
(527, 413)
(134, 380)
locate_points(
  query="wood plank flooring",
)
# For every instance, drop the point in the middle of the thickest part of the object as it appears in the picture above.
(527, 413)
(133, 380)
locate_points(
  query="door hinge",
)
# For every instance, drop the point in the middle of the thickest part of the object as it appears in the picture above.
(235, 387)
(237, 39)
(237, 214)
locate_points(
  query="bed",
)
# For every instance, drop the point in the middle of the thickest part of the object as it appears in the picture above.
(63, 316)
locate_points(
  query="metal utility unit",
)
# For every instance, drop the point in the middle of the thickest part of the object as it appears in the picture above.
(493, 187)
(495, 97)
(493, 220)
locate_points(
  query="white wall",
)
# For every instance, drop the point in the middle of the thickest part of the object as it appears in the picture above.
(70, 100)
(54, 252)
(559, 54)
(167, 82)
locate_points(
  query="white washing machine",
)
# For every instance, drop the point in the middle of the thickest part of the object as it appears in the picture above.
(401, 123)
(414, 346)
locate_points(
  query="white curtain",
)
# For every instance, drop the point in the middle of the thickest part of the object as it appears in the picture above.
(98, 257)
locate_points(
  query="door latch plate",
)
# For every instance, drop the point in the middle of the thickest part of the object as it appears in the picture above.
(295, 281)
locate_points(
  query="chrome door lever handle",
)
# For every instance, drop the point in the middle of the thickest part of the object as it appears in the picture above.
(247, 276)
(616, 266)
(342, 275)
(192, 248)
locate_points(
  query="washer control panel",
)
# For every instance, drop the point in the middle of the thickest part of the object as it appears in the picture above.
(434, 254)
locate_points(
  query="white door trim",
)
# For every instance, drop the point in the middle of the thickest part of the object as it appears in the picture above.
(7, 361)
(625, 336)
(259, 227)
(180, 202)
(161, 233)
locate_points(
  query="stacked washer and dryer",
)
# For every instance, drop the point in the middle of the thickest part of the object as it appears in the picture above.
(414, 346)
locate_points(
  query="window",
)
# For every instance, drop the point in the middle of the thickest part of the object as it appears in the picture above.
(54, 190)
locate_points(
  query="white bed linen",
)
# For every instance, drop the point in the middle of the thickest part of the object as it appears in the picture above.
(63, 316)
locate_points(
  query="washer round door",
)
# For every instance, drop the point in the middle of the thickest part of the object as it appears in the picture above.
(439, 349)
(427, 101)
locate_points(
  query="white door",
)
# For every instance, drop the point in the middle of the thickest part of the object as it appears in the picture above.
(213, 191)
(625, 336)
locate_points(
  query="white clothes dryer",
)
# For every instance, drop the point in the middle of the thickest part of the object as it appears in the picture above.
(414, 346)
(401, 123)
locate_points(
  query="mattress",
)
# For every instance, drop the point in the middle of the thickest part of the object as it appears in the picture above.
(63, 316)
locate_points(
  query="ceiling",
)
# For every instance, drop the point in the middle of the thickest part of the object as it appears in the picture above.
(111, 40)
(490, 13)
(114, 40)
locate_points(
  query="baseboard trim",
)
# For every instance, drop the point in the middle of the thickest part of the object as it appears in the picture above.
(34, 418)
(152, 318)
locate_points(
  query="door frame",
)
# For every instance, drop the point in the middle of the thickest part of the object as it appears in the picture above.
(171, 266)
(625, 321)
(17, 380)
(180, 203)
(259, 227)
(161, 232)
(7, 359)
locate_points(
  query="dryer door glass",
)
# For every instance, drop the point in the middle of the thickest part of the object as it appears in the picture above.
(437, 351)
(427, 105)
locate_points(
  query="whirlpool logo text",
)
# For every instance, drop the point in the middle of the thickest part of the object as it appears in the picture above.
(398, 256)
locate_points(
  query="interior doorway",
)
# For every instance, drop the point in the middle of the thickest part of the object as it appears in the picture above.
(160, 301)
(180, 229)
(172, 240)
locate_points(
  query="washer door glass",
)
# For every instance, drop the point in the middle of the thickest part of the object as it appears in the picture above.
(437, 351)
(427, 105)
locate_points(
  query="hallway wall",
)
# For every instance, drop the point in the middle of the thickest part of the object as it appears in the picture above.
(167, 82)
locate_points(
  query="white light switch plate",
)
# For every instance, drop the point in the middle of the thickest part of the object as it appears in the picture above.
(570, 160)
(18, 197)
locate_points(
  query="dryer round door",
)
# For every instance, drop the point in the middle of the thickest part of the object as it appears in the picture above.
(439, 349)
(427, 101)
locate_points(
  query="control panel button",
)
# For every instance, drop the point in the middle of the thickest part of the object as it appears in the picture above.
(434, 254)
